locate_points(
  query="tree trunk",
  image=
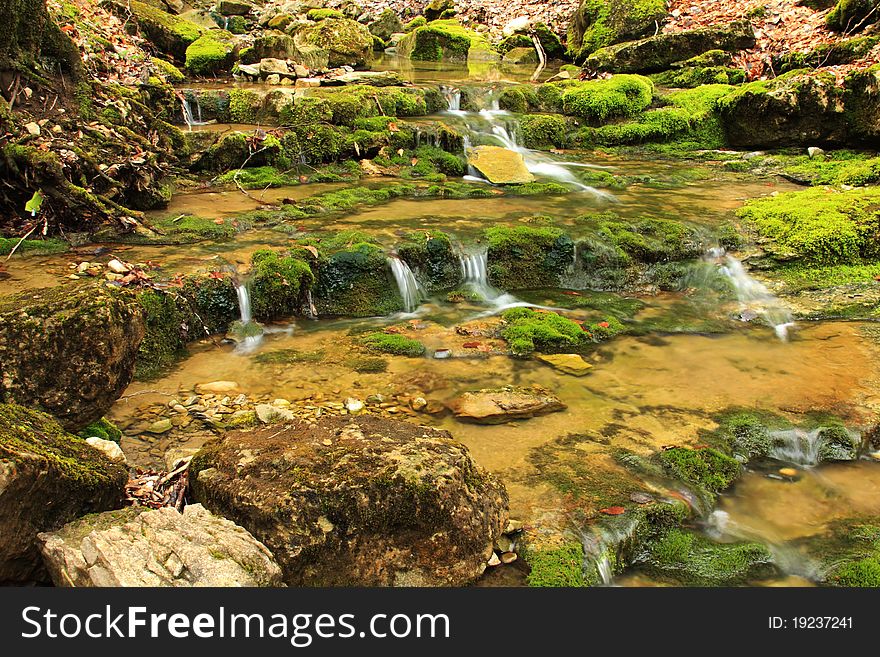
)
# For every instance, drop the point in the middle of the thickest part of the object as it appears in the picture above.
(31, 40)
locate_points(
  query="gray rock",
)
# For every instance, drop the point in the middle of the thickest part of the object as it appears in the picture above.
(110, 449)
(234, 7)
(372, 78)
(270, 66)
(251, 70)
(268, 414)
(133, 547)
(815, 152)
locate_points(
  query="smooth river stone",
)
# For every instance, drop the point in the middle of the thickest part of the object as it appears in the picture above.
(566, 363)
(500, 166)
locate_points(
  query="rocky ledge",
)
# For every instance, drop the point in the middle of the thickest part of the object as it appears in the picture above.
(356, 502)
(138, 547)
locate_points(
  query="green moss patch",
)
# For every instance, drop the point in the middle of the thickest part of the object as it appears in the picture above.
(394, 344)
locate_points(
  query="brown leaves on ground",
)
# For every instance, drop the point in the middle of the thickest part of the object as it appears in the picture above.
(781, 27)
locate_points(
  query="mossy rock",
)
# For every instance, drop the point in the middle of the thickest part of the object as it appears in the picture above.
(171, 34)
(393, 344)
(212, 53)
(48, 478)
(846, 552)
(852, 15)
(524, 257)
(818, 226)
(173, 318)
(657, 53)
(368, 510)
(386, 24)
(544, 131)
(798, 108)
(600, 23)
(234, 150)
(347, 42)
(597, 101)
(556, 567)
(103, 429)
(688, 559)
(278, 284)
(68, 350)
(433, 259)
(708, 470)
(444, 40)
(355, 281)
(695, 76)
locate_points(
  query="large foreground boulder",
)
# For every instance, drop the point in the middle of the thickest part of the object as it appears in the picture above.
(356, 502)
(47, 478)
(137, 547)
(658, 53)
(69, 351)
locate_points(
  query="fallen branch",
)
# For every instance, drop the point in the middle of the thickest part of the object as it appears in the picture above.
(21, 241)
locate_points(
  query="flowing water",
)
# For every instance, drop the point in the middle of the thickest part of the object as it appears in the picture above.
(652, 388)
(411, 291)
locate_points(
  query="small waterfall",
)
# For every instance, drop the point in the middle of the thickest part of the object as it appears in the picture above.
(606, 545)
(796, 446)
(754, 297)
(310, 303)
(474, 272)
(453, 99)
(410, 289)
(188, 116)
(249, 332)
(244, 304)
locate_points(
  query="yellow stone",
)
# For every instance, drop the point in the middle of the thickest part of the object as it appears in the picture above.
(566, 363)
(788, 472)
(500, 166)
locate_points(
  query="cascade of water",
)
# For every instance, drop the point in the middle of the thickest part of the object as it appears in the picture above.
(189, 118)
(754, 297)
(313, 312)
(796, 446)
(453, 98)
(474, 271)
(410, 289)
(503, 131)
(251, 333)
(244, 303)
(600, 543)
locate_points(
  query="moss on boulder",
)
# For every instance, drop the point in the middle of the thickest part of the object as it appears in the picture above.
(47, 478)
(278, 284)
(688, 559)
(524, 257)
(657, 53)
(171, 34)
(212, 53)
(68, 350)
(432, 258)
(445, 40)
(597, 101)
(600, 23)
(347, 42)
(362, 501)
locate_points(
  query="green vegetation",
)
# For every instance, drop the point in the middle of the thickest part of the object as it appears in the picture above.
(432, 257)
(213, 52)
(367, 365)
(442, 40)
(167, 332)
(563, 566)
(103, 429)
(544, 131)
(392, 343)
(708, 469)
(691, 560)
(524, 257)
(259, 177)
(848, 552)
(820, 226)
(527, 331)
(188, 229)
(321, 14)
(599, 100)
(598, 23)
(288, 356)
(32, 246)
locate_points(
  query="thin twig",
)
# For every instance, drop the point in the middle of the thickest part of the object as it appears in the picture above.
(21, 241)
